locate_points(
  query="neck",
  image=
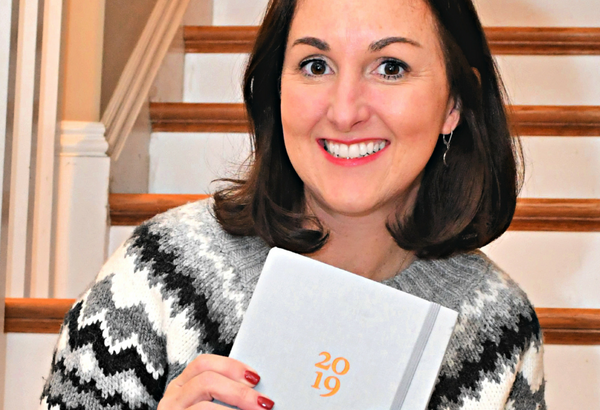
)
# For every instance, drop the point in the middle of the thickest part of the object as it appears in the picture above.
(361, 245)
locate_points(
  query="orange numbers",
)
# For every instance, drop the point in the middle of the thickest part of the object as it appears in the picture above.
(321, 364)
(332, 390)
(331, 383)
(346, 366)
(318, 381)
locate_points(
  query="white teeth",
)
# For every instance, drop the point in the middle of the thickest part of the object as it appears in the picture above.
(354, 150)
(343, 151)
(363, 149)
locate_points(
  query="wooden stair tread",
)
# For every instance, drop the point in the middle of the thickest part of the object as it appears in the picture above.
(528, 120)
(133, 209)
(532, 214)
(560, 326)
(503, 40)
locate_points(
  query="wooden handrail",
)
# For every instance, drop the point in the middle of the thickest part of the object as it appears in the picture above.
(560, 326)
(502, 40)
(532, 214)
(527, 120)
(140, 71)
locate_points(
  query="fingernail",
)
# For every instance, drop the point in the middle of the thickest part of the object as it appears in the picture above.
(265, 403)
(252, 377)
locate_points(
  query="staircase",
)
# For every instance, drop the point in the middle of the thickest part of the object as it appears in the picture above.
(553, 246)
(545, 220)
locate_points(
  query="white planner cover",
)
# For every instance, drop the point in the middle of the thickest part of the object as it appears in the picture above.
(324, 338)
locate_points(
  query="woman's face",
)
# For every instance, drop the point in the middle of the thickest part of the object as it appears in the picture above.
(364, 97)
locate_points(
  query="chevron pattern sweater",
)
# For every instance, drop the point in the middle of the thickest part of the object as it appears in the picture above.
(180, 285)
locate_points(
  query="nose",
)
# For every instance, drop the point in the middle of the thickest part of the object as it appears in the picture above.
(348, 105)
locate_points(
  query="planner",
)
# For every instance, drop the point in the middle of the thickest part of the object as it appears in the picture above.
(324, 338)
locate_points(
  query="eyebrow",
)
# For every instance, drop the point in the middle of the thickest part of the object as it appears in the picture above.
(375, 46)
(313, 41)
(380, 44)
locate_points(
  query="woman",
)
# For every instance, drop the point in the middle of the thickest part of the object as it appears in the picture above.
(381, 146)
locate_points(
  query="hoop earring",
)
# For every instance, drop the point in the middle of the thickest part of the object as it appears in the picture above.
(447, 144)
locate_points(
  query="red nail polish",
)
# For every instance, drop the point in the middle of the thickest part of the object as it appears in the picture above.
(265, 403)
(252, 377)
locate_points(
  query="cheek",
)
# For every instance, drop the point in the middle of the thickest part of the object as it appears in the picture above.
(412, 112)
(302, 107)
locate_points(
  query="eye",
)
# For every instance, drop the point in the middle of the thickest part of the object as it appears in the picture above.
(315, 67)
(392, 69)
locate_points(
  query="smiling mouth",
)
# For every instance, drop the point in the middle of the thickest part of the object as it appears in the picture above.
(352, 151)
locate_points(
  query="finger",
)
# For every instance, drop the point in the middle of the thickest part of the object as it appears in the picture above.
(226, 366)
(209, 385)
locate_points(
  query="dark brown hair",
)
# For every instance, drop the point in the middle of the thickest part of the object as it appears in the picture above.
(459, 207)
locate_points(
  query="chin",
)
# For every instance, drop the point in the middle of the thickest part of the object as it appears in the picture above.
(352, 207)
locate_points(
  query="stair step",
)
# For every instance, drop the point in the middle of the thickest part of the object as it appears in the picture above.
(529, 120)
(133, 209)
(503, 40)
(560, 326)
(533, 214)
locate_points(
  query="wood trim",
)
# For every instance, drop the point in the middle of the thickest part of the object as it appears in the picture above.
(528, 120)
(551, 214)
(558, 121)
(532, 214)
(194, 117)
(219, 39)
(560, 326)
(35, 315)
(544, 40)
(502, 40)
(570, 326)
(133, 209)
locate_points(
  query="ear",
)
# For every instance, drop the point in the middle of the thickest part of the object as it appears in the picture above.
(452, 116)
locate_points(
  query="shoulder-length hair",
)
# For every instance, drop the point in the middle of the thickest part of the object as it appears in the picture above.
(459, 207)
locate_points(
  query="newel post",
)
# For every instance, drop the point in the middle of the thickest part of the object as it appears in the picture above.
(82, 207)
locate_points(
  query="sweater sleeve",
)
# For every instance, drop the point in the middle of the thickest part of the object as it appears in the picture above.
(528, 388)
(494, 359)
(111, 352)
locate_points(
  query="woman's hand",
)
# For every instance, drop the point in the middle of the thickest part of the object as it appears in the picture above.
(211, 377)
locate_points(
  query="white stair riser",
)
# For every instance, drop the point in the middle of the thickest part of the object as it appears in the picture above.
(183, 163)
(538, 13)
(551, 80)
(27, 365)
(556, 269)
(238, 12)
(529, 80)
(213, 77)
(583, 13)
(572, 377)
(561, 167)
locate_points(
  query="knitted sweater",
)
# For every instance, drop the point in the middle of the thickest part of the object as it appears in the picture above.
(180, 286)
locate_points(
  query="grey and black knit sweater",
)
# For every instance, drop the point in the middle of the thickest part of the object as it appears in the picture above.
(180, 285)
